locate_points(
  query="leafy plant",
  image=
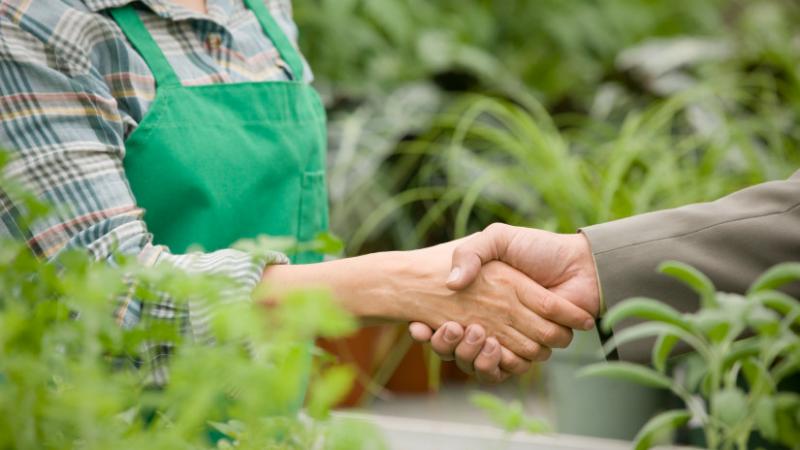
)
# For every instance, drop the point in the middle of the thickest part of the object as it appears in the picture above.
(71, 377)
(447, 116)
(744, 347)
(508, 415)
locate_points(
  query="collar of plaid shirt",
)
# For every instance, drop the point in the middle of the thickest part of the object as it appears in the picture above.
(218, 10)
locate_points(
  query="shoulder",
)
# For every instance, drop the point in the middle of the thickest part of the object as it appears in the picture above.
(63, 34)
(284, 7)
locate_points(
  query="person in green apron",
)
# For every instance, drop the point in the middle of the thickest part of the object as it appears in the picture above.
(213, 162)
(231, 167)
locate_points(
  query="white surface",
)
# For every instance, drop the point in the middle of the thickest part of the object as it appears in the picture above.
(403, 433)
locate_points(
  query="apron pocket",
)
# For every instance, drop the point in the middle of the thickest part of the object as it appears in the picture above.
(313, 215)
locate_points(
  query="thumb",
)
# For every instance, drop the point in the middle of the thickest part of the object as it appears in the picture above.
(472, 254)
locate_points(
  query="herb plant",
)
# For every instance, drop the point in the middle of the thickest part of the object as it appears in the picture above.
(72, 378)
(744, 347)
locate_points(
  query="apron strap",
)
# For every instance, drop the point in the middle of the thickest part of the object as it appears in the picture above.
(287, 51)
(131, 24)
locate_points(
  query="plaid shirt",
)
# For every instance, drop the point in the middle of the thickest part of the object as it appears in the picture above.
(72, 88)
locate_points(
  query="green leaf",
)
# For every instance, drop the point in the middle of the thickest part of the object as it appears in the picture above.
(329, 389)
(757, 376)
(776, 277)
(659, 425)
(714, 323)
(729, 406)
(650, 329)
(764, 414)
(693, 278)
(509, 416)
(661, 350)
(696, 371)
(644, 308)
(764, 321)
(780, 302)
(788, 366)
(328, 243)
(741, 349)
(627, 371)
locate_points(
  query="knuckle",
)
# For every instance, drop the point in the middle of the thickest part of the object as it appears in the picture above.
(547, 305)
(494, 227)
(465, 353)
(549, 335)
(517, 366)
(530, 350)
(483, 366)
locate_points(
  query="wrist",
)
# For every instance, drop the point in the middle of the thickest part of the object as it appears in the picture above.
(365, 286)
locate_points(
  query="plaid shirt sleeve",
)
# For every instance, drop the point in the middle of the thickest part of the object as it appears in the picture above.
(65, 131)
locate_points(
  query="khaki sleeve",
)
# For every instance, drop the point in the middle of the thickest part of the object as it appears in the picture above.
(732, 240)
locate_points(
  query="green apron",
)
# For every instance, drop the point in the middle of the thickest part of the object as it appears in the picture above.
(216, 163)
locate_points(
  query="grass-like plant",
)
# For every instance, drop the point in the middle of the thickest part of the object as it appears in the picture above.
(73, 378)
(744, 347)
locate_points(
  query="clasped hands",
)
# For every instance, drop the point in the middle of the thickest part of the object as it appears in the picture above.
(553, 289)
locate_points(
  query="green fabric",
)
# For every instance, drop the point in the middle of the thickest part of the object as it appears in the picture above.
(216, 163)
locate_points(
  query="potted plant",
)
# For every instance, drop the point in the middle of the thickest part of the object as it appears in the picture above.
(744, 347)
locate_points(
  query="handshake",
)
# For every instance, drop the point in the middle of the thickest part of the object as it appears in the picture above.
(515, 293)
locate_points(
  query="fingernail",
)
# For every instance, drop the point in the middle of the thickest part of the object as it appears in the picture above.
(489, 347)
(450, 333)
(473, 336)
(588, 325)
(455, 274)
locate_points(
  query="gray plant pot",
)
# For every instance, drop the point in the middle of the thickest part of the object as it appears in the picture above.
(596, 406)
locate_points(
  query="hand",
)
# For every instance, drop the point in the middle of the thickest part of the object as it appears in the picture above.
(410, 286)
(561, 263)
(514, 356)
(475, 354)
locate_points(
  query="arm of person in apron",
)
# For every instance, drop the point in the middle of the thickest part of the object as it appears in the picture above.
(515, 312)
(65, 133)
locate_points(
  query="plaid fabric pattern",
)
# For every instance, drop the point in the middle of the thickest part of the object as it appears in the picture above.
(72, 89)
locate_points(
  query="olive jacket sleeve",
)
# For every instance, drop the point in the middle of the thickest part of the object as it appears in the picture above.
(732, 240)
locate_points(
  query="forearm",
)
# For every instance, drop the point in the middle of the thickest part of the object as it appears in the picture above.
(367, 286)
(731, 240)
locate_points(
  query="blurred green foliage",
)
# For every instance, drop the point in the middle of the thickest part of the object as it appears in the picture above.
(561, 49)
(510, 416)
(449, 115)
(72, 378)
(744, 347)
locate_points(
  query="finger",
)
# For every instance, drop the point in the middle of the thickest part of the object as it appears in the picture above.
(445, 340)
(469, 348)
(470, 255)
(512, 363)
(420, 332)
(540, 330)
(487, 363)
(522, 345)
(553, 307)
